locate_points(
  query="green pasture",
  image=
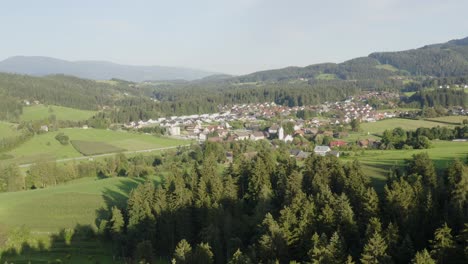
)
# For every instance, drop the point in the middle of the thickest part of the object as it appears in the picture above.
(393, 110)
(455, 120)
(387, 124)
(7, 130)
(326, 76)
(45, 212)
(377, 163)
(387, 67)
(38, 112)
(89, 148)
(46, 147)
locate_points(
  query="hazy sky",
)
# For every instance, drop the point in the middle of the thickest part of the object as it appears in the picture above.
(237, 37)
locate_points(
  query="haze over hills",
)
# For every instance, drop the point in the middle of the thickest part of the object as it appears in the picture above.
(97, 70)
(439, 60)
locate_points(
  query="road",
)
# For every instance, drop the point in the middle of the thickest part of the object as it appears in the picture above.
(107, 154)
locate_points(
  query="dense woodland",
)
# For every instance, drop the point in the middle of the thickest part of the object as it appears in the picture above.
(269, 209)
(265, 207)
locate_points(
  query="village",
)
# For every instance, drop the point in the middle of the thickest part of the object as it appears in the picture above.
(259, 121)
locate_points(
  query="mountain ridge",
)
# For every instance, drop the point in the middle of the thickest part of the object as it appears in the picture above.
(97, 70)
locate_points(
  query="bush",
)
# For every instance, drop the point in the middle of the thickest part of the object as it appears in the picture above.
(62, 138)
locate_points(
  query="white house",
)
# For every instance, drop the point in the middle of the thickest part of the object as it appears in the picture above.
(322, 150)
(174, 131)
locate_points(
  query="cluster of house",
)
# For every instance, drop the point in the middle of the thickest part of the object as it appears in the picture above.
(216, 127)
(464, 86)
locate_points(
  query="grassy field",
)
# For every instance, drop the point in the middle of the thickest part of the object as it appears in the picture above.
(45, 147)
(46, 211)
(89, 148)
(387, 67)
(456, 120)
(326, 76)
(354, 136)
(38, 112)
(377, 163)
(408, 124)
(64, 206)
(393, 110)
(7, 130)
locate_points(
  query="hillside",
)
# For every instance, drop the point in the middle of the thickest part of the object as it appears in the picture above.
(441, 60)
(96, 70)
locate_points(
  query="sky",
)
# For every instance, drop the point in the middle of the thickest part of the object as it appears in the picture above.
(226, 36)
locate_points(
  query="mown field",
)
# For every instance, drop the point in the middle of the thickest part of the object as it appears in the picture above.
(456, 120)
(7, 130)
(45, 212)
(46, 147)
(408, 124)
(378, 163)
(38, 112)
(89, 148)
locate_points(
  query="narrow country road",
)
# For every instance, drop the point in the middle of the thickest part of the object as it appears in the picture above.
(107, 154)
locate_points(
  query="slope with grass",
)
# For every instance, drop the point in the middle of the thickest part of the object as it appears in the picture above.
(7, 130)
(38, 112)
(45, 212)
(64, 206)
(407, 124)
(46, 147)
(378, 163)
(455, 120)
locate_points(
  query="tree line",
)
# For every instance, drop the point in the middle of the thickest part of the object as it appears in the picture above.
(420, 138)
(267, 209)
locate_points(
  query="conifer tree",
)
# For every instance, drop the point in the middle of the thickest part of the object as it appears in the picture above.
(240, 258)
(442, 245)
(183, 252)
(375, 251)
(202, 254)
(423, 257)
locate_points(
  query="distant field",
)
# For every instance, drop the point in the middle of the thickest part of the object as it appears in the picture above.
(45, 146)
(456, 120)
(409, 94)
(326, 76)
(387, 67)
(353, 137)
(408, 124)
(89, 148)
(393, 110)
(7, 130)
(377, 163)
(37, 112)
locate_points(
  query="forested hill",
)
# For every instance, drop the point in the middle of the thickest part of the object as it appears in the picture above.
(61, 90)
(96, 70)
(440, 60)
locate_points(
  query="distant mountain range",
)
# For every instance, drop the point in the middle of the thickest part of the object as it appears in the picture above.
(439, 60)
(97, 70)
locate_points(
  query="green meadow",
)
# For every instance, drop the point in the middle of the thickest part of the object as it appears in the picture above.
(38, 112)
(387, 67)
(45, 212)
(7, 130)
(378, 163)
(326, 76)
(63, 206)
(387, 124)
(455, 120)
(46, 147)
